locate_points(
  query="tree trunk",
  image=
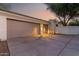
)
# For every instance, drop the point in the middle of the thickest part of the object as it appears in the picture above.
(65, 24)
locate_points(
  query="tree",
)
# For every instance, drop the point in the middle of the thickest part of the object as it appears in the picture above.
(64, 11)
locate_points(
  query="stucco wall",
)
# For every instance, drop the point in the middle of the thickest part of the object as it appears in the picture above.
(67, 30)
(3, 28)
(14, 15)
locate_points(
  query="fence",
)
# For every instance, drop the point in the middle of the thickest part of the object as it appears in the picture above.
(67, 30)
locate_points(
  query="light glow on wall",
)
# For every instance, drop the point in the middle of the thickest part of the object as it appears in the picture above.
(42, 32)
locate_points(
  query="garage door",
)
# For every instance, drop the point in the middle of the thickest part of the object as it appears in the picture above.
(20, 28)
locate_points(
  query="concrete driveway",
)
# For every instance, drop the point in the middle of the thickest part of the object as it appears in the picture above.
(57, 45)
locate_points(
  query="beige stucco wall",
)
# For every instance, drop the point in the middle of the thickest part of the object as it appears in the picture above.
(3, 28)
(23, 18)
(20, 29)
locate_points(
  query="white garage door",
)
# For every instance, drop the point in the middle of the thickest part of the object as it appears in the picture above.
(19, 28)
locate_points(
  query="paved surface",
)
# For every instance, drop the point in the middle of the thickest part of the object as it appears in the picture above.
(57, 45)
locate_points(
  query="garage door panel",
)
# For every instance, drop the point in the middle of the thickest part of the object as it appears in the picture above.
(20, 29)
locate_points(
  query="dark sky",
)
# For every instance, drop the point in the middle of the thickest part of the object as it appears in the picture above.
(37, 10)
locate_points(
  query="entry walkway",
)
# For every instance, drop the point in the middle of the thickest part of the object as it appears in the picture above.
(58, 45)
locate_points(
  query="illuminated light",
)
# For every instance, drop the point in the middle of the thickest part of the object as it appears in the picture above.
(41, 29)
(44, 29)
(45, 35)
(42, 32)
(38, 35)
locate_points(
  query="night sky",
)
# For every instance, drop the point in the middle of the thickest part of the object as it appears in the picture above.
(38, 10)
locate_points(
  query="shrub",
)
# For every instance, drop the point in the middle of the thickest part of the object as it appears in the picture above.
(74, 23)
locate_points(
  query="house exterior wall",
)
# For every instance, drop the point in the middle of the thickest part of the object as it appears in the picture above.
(15, 25)
(17, 16)
(3, 28)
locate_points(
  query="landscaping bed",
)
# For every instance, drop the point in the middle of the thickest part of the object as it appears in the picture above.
(4, 51)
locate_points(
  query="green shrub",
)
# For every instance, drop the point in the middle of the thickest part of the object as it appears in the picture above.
(74, 23)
